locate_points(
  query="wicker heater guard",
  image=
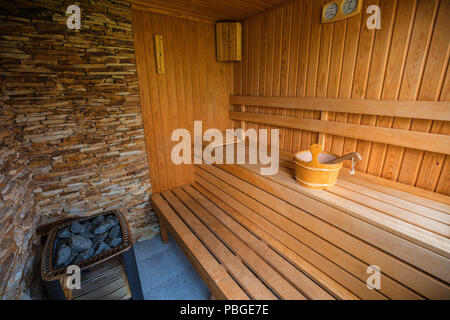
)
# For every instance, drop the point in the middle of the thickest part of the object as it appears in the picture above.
(52, 277)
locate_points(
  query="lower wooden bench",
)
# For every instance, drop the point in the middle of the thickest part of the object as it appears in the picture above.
(266, 237)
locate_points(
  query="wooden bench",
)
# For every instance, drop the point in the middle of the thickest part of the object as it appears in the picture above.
(266, 237)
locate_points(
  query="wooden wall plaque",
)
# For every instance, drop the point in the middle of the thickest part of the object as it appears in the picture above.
(229, 41)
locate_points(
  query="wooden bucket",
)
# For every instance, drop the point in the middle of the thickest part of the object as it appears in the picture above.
(310, 170)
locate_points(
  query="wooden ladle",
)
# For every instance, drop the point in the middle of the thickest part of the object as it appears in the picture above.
(354, 156)
(348, 156)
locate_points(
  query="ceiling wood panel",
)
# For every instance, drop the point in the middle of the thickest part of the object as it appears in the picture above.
(208, 10)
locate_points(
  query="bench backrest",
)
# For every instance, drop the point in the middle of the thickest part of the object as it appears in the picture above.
(430, 110)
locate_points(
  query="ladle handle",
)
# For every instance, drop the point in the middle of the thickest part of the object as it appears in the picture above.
(347, 156)
(315, 149)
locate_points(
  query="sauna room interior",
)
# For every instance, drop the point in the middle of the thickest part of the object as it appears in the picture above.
(225, 150)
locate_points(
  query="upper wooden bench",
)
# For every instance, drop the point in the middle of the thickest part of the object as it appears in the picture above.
(267, 237)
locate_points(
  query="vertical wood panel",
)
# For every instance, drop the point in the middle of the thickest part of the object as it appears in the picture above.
(409, 160)
(407, 59)
(194, 87)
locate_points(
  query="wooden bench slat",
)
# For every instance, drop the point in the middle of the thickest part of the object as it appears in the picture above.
(395, 201)
(405, 250)
(423, 197)
(246, 279)
(258, 266)
(225, 214)
(386, 208)
(267, 237)
(297, 238)
(416, 195)
(407, 231)
(415, 222)
(310, 232)
(308, 260)
(218, 280)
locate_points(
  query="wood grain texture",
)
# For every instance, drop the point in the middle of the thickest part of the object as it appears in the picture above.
(404, 138)
(208, 10)
(194, 87)
(405, 60)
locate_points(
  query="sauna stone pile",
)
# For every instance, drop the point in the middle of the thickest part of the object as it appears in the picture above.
(82, 240)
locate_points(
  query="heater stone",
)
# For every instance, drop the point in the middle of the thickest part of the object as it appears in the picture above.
(104, 226)
(102, 247)
(84, 255)
(64, 234)
(77, 227)
(62, 255)
(114, 242)
(80, 244)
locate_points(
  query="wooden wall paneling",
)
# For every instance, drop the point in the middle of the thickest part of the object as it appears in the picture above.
(269, 62)
(285, 69)
(337, 54)
(296, 22)
(194, 87)
(415, 62)
(252, 55)
(380, 48)
(262, 34)
(151, 123)
(323, 72)
(184, 85)
(277, 48)
(359, 85)
(397, 62)
(167, 97)
(213, 78)
(170, 91)
(147, 115)
(302, 65)
(377, 78)
(308, 137)
(259, 65)
(347, 74)
(412, 159)
(443, 185)
(202, 79)
(238, 76)
(245, 62)
(431, 88)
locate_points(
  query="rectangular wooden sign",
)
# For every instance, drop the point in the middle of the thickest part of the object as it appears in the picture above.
(159, 53)
(229, 41)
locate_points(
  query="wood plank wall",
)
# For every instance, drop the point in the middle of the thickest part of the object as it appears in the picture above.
(195, 87)
(288, 52)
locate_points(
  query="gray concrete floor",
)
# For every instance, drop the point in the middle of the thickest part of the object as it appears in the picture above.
(166, 273)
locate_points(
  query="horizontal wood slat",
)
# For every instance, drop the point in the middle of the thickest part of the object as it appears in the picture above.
(410, 139)
(408, 109)
(213, 273)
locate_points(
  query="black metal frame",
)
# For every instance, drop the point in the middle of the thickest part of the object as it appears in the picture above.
(55, 290)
